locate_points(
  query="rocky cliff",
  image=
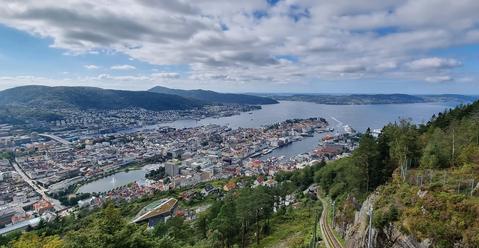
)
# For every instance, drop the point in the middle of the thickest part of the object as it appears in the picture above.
(356, 233)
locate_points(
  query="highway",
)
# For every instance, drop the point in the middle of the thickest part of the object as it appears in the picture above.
(39, 189)
(56, 138)
(328, 235)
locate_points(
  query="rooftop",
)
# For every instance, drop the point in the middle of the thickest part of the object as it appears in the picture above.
(155, 208)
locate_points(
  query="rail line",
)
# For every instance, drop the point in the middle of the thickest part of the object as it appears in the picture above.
(328, 235)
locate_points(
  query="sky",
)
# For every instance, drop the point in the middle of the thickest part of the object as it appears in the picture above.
(303, 46)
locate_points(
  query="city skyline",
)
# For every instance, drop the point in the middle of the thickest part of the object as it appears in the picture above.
(414, 47)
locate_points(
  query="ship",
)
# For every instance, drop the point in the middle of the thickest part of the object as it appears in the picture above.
(267, 151)
(349, 129)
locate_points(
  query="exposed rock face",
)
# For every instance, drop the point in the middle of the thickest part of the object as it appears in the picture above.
(389, 236)
(357, 234)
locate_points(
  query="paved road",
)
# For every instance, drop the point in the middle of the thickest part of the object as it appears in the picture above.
(38, 188)
(56, 138)
(328, 234)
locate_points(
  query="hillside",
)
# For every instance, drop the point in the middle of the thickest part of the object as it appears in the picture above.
(361, 99)
(91, 98)
(212, 96)
(422, 182)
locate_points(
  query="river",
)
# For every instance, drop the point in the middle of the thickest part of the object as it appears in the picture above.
(359, 117)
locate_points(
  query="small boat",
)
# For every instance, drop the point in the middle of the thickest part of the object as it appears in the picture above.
(306, 134)
(267, 151)
(254, 155)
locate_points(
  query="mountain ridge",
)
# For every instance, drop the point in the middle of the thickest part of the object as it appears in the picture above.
(92, 98)
(215, 97)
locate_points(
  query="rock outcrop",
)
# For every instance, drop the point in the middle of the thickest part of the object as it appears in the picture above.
(356, 234)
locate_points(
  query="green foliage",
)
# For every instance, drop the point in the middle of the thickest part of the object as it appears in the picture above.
(300, 178)
(109, 229)
(7, 155)
(9, 237)
(444, 120)
(383, 217)
(91, 98)
(174, 229)
(437, 152)
(340, 177)
(211, 96)
(32, 240)
(439, 208)
(446, 217)
(156, 174)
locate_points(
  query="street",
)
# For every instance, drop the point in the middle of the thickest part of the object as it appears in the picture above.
(39, 189)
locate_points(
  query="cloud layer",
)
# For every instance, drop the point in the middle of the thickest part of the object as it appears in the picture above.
(255, 41)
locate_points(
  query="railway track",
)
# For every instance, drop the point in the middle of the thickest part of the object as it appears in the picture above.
(328, 235)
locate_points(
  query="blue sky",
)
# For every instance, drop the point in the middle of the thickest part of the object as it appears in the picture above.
(244, 46)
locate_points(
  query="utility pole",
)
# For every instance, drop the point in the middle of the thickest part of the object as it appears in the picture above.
(370, 234)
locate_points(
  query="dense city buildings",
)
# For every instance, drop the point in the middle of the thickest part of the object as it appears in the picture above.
(48, 167)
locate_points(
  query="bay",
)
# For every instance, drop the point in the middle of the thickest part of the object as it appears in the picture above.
(359, 117)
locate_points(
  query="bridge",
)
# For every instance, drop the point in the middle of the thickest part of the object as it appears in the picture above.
(55, 138)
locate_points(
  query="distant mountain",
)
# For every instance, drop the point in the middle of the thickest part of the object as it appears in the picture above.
(360, 99)
(215, 97)
(450, 98)
(92, 98)
(356, 99)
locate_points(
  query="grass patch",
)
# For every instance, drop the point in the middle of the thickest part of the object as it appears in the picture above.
(292, 229)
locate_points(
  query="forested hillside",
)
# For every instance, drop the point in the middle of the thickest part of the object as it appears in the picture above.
(91, 98)
(424, 178)
(215, 97)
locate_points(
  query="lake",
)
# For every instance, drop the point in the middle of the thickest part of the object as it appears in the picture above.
(116, 180)
(359, 117)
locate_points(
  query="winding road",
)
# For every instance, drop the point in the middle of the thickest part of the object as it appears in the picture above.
(328, 235)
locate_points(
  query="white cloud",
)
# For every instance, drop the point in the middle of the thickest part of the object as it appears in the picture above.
(225, 42)
(91, 67)
(165, 75)
(433, 63)
(345, 68)
(123, 67)
(439, 79)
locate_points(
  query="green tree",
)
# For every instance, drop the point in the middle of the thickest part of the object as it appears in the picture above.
(32, 240)
(366, 157)
(226, 223)
(437, 152)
